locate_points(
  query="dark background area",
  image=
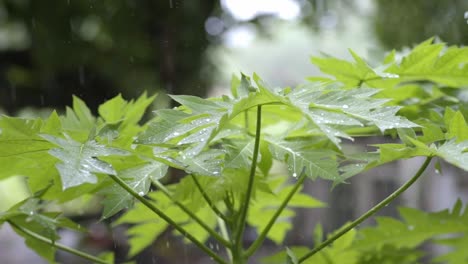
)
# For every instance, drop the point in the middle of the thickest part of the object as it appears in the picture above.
(52, 49)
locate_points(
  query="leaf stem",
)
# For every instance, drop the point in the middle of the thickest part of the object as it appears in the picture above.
(241, 221)
(193, 215)
(57, 245)
(225, 234)
(208, 200)
(166, 218)
(258, 242)
(369, 213)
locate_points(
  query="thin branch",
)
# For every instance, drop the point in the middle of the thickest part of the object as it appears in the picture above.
(225, 234)
(193, 216)
(258, 242)
(369, 213)
(208, 200)
(57, 245)
(245, 205)
(166, 218)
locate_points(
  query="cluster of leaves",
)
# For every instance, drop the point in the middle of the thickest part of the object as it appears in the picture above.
(226, 147)
(394, 241)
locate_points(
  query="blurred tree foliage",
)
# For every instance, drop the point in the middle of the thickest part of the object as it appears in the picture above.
(95, 49)
(401, 23)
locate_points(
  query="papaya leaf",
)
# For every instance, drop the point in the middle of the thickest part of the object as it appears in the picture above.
(22, 151)
(454, 153)
(79, 161)
(139, 178)
(317, 163)
(266, 203)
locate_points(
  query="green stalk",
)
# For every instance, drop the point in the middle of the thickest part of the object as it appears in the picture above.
(369, 213)
(225, 234)
(241, 221)
(166, 218)
(57, 245)
(258, 242)
(193, 216)
(208, 200)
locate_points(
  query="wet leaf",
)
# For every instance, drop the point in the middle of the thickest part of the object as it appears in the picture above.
(79, 161)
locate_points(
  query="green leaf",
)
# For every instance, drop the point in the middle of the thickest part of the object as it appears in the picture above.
(454, 153)
(292, 259)
(149, 226)
(340, 251)
(266, 204)
(22, 152)
(139, 179)
(113, 110)
(431, 62)
(27, 214)
(239, 153)
(241, 88)
(317, 163)
(207, 163)
(332, 109)
(459, 254)
(83, 114)
(416, 228)
(350, 74)
(457, 127)
(118, 110)
(79, 161)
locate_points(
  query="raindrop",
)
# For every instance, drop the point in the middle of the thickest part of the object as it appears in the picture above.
(167, 244)
(466, 16)
(345, 106)
(141, 193)
(81, 75)
(31, 213)
(437, 171)
(13, 93)
(410, 227)
(294, 175)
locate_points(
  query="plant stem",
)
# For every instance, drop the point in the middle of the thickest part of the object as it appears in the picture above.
(57, 245)
(225, 234)
(193, 215)
(208, 200)
(166, 218)
(369, 213)
(258, 242)
(241, 221)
